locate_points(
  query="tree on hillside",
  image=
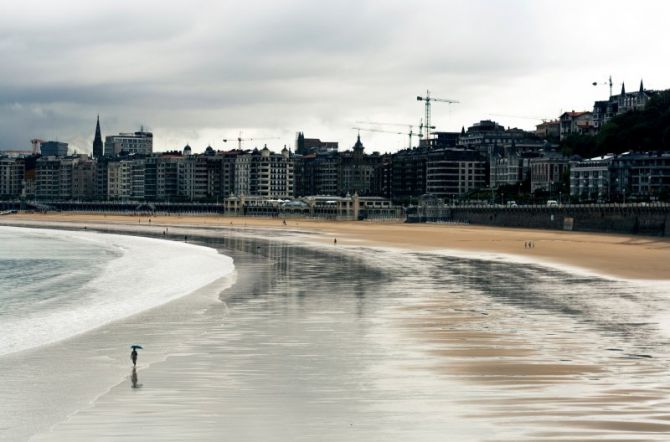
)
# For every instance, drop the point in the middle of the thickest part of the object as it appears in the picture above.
(582, 145)
(645, 130)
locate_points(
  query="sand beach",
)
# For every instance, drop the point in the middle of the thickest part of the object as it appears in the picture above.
(396, 332)
(624, 256)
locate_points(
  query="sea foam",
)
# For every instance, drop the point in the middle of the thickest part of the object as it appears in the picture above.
(144, 274)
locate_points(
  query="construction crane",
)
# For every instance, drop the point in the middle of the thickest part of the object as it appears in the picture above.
(367, 129)
(240, 139)
(410, 132)
(609, 83)
(428, 99)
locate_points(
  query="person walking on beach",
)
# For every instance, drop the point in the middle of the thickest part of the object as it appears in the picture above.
(133, 356)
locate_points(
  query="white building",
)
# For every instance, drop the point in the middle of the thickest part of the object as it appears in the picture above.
(590, 179)
(119, 180)
(139, 142)
(193, 179)
(264, 173)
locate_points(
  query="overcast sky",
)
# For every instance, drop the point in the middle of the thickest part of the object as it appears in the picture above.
(200, 71)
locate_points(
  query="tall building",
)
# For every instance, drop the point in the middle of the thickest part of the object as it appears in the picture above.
(12, 171)
(359, 173)
(454, 172)
(119, 180)
(53, 149)
(54, 177)
(640, 175)
(139, 142)
(408, 174)
(97, 141)
(193, 177)
(83, 179)
(264, 173)
(590, 179)
(316, 174)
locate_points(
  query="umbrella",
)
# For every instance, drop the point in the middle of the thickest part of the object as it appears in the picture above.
(135, 347)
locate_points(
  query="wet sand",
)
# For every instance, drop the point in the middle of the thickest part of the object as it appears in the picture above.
(470, 349)
(625, 256)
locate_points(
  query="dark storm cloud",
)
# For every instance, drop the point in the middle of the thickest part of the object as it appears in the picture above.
(195, 70)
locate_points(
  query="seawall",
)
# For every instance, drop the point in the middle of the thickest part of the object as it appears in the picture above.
(614, 218)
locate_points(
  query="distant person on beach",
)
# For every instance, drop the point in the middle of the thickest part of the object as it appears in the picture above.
(335, 241)
(133, 357)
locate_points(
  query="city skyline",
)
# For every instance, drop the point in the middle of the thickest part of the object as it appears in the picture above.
(200, 74)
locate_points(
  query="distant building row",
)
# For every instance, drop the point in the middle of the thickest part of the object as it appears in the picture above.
(445, 173)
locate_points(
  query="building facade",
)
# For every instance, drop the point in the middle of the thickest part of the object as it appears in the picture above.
(12, 172)
(605, 110)
(129, 143)
(640, 175)
(53, 149)
(454, 172)
(590, 179)
(547, 172)
(576, 123)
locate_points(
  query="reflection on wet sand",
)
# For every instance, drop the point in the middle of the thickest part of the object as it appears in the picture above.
(133, 379)
(360, 344)
(549, 351)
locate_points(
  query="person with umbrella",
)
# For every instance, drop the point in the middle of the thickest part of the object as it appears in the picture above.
(133, 354)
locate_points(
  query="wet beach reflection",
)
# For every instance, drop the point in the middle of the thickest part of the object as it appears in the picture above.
(339, 344)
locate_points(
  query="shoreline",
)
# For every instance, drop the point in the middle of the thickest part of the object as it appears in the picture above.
(614, 255)
(462, 350)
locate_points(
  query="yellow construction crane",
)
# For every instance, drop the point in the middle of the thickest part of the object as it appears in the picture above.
(410, 132)
(427, 99)
(369, 129)
(240, 139)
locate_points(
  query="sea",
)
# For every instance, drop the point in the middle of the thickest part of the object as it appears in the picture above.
(260, 335)
(56, 284)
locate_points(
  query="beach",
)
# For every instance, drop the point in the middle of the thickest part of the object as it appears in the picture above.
(624, 256)
(395, 332)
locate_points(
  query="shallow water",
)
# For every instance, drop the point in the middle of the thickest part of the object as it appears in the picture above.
(362, 344)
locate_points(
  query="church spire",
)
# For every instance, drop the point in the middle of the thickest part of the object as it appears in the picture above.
(358, 142)
(358, 147)
(97, 141)
(641, 86)
(623, 88)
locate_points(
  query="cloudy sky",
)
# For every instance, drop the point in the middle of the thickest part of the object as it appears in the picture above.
(199, 71)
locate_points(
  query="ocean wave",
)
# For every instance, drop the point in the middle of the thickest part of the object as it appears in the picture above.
(143, 274)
